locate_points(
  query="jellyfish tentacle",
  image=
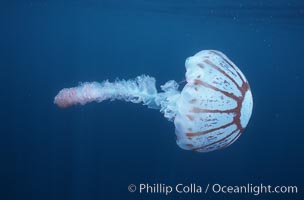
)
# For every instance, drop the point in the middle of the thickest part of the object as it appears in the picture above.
(139, 90)
(142, 89)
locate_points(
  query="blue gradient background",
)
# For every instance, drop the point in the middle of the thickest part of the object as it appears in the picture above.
(96, 151)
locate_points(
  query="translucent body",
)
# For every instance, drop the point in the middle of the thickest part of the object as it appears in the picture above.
(215, 105)
(209, 113)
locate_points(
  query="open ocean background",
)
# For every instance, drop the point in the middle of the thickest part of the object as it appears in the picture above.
(95, 151)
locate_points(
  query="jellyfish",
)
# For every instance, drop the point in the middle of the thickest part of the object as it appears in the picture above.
(209, 113)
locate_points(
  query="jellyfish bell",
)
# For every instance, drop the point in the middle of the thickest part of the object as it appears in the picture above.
(214, 106)
(210, 112)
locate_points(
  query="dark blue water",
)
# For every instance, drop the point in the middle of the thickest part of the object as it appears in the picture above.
(96, 151)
